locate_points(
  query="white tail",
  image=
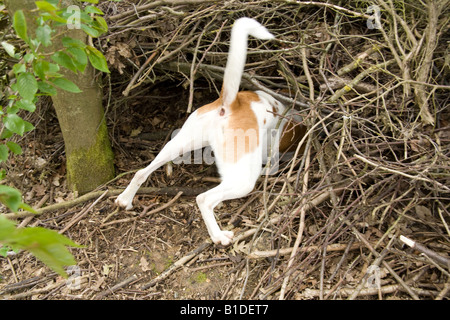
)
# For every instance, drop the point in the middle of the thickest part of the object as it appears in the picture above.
(237, 55)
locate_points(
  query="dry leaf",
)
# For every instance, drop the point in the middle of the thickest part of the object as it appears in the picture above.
(144, 264)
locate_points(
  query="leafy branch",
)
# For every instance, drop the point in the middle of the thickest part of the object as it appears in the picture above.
(38, 73)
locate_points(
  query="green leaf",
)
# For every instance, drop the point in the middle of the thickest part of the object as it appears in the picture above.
(90, 1)
(47, 245)
(53, 69)
(46, 89)
(63, 59)
(79, 58)
(56, 18)
(16, 124)
(6, 134)
(20, 25)
(7, 227)
(27, 85)
(10, 50)
(94, 33)
(92, 9)
(28, 126)
(11, 198)
(97, 59)
(26, 105)
(55, 2)
(66, 85)
(71, 42)
(29, 57)
(3, 153)
(45, 6)
(43, 35)
(101, 24)
(41, 67)
(12, 109)
(14, 147)
(4, 251)
(19, 68)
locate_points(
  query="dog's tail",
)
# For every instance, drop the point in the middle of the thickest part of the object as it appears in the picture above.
(237, 55)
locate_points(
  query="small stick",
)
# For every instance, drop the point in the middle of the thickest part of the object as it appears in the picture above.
(177, 265)
(80, 215)
(257, 254)
(433, 255)
(345, 292)
(138, 73)
(399, 172)
(120, 285)
(359, 58)
(187, 191)
(164, 206)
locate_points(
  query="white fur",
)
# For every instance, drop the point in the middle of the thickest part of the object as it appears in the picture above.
(238, 53)
(208, 128)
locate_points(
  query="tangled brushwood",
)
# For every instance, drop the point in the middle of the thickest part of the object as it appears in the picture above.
(372, 86)
(362, 210)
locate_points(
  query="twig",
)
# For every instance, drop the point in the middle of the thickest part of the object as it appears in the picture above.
(433, 255)
(171, 191)
(257, 254)
(145, 213)
(349, 86)
(399, 172)
(357, 61)
(137, 74)
(178, 264)
(386, 265)
(301, 228)
(81, 214)
(48, 288)
(119, 285)
(345, 292)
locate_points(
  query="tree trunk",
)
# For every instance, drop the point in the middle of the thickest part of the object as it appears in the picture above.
(89, 156)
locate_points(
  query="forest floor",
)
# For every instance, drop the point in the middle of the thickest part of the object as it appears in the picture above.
(122, 245)
(134, 254)
(325, 226)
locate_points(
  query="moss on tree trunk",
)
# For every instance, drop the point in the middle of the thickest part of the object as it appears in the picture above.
(89, 159)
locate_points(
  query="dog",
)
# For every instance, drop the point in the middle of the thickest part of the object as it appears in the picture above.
(237, 126)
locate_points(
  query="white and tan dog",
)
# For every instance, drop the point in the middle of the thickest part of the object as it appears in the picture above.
(237, 126)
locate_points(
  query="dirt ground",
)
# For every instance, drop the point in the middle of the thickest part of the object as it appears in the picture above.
(117, 250)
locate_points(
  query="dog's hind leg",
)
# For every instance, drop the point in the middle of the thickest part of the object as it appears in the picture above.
(188, 138)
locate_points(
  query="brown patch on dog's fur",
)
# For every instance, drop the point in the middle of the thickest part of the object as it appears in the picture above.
(242, 131)
(210, 106)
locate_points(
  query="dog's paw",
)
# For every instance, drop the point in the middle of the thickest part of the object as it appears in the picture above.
(124, 202)
(224, 238)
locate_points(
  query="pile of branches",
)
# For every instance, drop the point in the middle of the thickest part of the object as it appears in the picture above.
(370, 178)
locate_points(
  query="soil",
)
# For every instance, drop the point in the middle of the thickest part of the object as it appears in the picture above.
(114, 252)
